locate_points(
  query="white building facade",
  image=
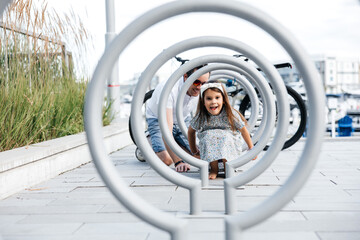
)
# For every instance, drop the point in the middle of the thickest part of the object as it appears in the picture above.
(339, 74)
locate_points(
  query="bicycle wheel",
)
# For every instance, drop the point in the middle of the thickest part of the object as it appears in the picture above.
(296, 127)
(147, 97)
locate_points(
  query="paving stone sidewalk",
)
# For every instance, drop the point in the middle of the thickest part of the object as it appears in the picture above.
(77, 205)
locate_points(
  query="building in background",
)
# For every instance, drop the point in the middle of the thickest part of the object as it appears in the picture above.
(339, 74)
(341, 80)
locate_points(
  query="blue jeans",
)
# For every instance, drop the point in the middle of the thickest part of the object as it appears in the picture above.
(156, 136)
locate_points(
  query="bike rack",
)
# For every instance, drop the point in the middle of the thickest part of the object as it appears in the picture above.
(266, 135)
(261, 83)
(235, 223)
(190, 65)
(236, 46)
(144, 81)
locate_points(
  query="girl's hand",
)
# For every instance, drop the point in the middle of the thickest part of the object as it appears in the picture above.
(254, 157)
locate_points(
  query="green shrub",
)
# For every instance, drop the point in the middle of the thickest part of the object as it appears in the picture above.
(40, 95)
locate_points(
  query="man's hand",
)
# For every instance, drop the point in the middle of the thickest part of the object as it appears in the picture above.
(182, 167)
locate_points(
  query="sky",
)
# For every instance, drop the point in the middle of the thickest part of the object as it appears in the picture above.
(330, 27)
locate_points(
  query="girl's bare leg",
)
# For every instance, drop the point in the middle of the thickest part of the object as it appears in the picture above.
(214, 169)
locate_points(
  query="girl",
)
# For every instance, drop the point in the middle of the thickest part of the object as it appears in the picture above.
(219, 127)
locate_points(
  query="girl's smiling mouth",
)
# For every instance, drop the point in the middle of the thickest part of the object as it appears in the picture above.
(214, 108)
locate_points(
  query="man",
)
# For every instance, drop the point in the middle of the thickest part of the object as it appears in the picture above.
(190, 102)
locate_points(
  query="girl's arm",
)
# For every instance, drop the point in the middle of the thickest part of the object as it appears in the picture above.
(246, 136)
(192, 140)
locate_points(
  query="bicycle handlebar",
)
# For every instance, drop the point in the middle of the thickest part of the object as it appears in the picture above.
(179, 59)
(280, 65)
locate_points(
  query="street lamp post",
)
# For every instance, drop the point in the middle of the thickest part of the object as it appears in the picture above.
(113, 83)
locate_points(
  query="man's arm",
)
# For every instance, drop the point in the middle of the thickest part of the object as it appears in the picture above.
(192, 141)
(180, 167)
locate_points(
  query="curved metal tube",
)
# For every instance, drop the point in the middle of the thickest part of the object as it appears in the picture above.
(179, 108)
(93, 106)
(248, 71)
(139, 92)
(260, 83)
(262, 126)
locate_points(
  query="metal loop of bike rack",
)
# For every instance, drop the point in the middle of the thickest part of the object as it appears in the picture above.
(239, 47)
(234, 224)
(145, 78)
(262, 125)
(258, 133)
(280, 133)
(250, 73)
(218, 75)
(210, 59)
(142, 143)
(254, 111)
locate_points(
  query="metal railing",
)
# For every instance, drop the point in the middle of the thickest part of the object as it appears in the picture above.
(65, 55)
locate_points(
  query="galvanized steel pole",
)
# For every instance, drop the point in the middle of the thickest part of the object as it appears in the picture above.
(3, 5)
(113, 82)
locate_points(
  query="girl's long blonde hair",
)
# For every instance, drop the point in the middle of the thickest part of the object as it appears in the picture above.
(202, 114)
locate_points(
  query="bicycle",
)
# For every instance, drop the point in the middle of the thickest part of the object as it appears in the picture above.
(298, 114)
(297, 107)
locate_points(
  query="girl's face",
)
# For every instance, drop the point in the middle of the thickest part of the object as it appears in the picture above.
(213, 101)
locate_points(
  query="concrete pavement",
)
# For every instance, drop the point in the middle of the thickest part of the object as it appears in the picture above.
(77, 205)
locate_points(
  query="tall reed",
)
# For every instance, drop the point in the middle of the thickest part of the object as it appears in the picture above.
(41, 97)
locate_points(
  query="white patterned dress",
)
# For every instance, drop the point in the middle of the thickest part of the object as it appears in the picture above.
(216, 139)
